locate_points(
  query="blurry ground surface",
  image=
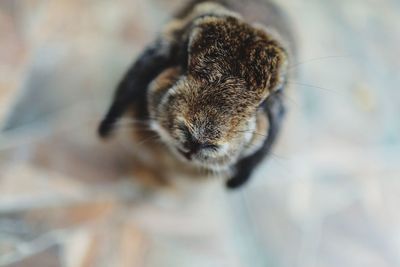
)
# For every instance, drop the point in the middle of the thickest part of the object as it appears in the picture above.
(329, 196)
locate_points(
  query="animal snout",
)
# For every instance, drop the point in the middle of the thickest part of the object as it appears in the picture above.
(193, 147)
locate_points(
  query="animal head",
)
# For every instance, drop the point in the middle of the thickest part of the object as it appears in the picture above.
(206, 112)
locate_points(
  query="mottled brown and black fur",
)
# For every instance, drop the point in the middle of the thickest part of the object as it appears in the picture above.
(211, 85)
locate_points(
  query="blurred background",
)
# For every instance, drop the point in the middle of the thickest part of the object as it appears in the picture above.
(328, 196)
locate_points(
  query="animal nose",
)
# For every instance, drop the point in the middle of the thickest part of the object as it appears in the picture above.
(190, 149)
(191, 143)
(194, 146)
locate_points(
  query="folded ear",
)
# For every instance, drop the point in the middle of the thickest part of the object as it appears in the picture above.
(131, 91)
(278, 69)
(270, 61)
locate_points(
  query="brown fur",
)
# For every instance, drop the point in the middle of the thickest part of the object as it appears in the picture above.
(232, 68)
(221, 71)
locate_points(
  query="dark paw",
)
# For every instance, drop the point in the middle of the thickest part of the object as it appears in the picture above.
(104, 129)
(233, 183)
(237, 181)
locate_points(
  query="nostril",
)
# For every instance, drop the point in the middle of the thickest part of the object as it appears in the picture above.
(192, 146)
(195, 146)
(191, 143)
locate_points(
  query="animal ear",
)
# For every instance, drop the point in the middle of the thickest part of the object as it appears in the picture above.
(117, 109)
(273, 58)
(132, 89)
(275, 64)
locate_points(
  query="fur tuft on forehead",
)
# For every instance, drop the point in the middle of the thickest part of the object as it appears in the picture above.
(228, 48)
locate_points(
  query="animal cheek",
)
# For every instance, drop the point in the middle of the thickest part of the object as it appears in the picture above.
(224, 148)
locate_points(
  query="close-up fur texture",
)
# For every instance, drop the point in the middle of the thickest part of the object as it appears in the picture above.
(211, 87)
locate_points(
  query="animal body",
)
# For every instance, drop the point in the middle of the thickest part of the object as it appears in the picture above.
(211, 88)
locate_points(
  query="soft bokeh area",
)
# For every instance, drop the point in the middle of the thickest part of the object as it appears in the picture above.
(328, 196)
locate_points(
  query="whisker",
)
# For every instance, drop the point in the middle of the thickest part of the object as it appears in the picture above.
(315, 59)
(292, 101)
(315, 86)
(278, 157)
(132, 120)
(139, 145)
(206, 171)
(133, 126)
(256, 133)
(281, 162)
(148, 139)
(264, 135)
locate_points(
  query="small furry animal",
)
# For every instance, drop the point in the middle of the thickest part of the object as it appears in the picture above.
(210, 87)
